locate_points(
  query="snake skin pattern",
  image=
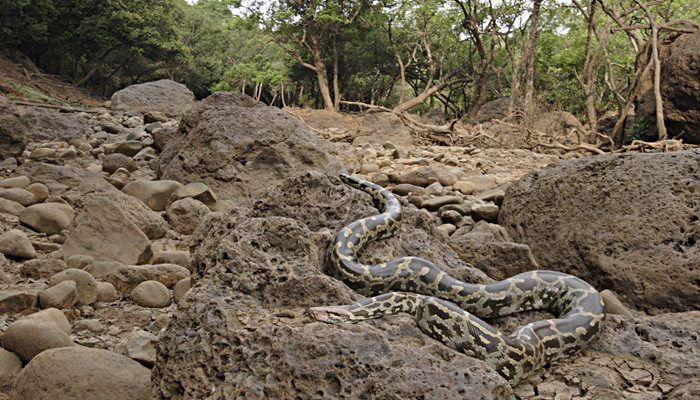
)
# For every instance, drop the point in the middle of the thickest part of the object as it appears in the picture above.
(449, 310)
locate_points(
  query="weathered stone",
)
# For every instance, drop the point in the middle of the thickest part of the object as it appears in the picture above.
(427, 175)
(28, 337)
(61, 295)
(177, 257)
(18, 300)
(106, 292)
(52, 316)
(79, 187)
(140, 346)
(15, 244)
(464, 187)
(39, 190)
(185, 214)
(10, 367)
(13, 133)
(43, 267)
(104, 232)
(164, 96)
(10, 207)
(154, 193)
(127, 277)
(233, 144)
(21, 196)
(151, 294)
(49, 218)
(679, 87)
(181, 288)
(488, 247)
(493, 195)
(486, 212)
(86, 284)
(381, 127)
(481, 182)
(270, 258)
(82, 373)
(450, 217)
(79, 261)
(195, 190)
(624, 222)
(100, 269)
(17, 182)
(128, 148)
(433, 204)
(113, 162)
(404, 189)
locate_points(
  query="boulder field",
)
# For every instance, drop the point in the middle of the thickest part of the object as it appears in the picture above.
(152, 253)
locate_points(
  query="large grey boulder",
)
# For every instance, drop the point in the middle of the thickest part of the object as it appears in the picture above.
(239, 147)
(241, 329)
(628, 223)
(166, 96)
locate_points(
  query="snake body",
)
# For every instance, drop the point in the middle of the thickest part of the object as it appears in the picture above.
(449, 310)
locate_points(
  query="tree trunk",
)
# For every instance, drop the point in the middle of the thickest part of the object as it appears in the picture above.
(530, 53)
(94, 69)
(322, 75)
(336, 89)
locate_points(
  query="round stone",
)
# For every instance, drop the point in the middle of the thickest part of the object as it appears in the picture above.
(151, 294)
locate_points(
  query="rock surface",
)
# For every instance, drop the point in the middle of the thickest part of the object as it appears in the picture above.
(232, 143)
(29, 337)
(82, 373)
(106, 234)
(12, 130)
(680, 88)
(628, 223)
(165, 96)
(259, 267)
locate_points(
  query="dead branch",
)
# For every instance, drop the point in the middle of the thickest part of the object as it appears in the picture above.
(663, 145)
(55, 107)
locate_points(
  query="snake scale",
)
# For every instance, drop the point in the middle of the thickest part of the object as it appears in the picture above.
(449, 310)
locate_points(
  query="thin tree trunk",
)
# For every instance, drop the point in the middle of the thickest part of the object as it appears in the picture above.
(336, 89)
(94, 69)
(529, 55)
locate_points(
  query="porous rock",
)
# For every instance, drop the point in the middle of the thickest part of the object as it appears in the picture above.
(489, 248)
(166, 96)
(679, 87)
(629, 223)
(233, 143)
(82, 373)
(104, 232)
(29, 337)
(260, 266)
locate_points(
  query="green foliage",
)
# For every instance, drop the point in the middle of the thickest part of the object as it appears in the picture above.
(108, 44)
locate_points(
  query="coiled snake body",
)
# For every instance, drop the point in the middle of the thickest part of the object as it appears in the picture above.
(449, 310)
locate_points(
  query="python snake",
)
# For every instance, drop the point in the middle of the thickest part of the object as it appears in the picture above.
(449, 310)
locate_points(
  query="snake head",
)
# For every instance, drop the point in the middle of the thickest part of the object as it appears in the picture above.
(331, 315)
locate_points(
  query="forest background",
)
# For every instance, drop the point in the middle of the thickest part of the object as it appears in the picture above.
(572, 55)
